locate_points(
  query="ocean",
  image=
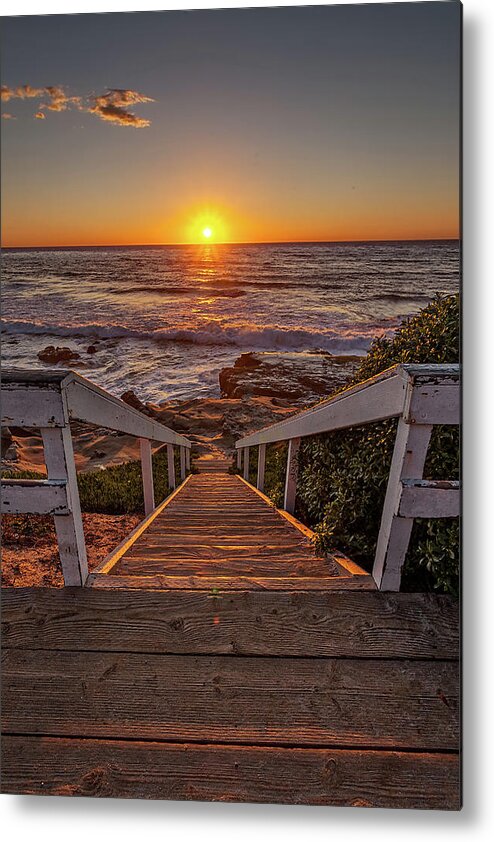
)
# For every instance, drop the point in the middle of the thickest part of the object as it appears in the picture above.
(167, 319)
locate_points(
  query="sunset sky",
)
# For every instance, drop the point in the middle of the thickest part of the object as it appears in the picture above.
(318, 123)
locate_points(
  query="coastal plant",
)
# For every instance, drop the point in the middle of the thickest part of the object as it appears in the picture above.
(343, 475)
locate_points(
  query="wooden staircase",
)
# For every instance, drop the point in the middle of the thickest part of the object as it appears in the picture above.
(218, 532)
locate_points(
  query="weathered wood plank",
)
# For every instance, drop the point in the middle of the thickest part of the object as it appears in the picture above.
(260, 701)
(88, 403)
(224, 567)
(33, 407)
(291, 475)
(147, 475)
(261, 466)
(60, 465)
(434, 404)
(429, 499)
(119, 769)
(409, 455)
(338, 624)
(43, 497)
(164, 582)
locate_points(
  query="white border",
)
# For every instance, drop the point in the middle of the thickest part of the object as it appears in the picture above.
(53, 819)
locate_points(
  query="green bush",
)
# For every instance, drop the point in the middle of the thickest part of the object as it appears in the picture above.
(343, 475)
(118, 489)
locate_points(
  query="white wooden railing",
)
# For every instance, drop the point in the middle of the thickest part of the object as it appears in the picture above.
(420, 396)
(49, 401)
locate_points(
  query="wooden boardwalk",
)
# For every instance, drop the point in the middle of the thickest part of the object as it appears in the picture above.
(217, 531)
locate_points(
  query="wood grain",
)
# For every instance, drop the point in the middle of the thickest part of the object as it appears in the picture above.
(337, 624)
(259, 701)
(120, 769)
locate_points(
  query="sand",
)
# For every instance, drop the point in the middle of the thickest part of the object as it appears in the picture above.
(30, 552)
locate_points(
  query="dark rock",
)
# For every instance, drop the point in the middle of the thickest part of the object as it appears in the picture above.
(52, 354)
(131, 399)
(290, 376)
(91, 350)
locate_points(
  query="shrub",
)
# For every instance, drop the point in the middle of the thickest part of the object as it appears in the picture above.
(343, 475)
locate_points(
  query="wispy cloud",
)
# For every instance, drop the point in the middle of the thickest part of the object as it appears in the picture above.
(58, 99)
(22, 92)
(112, 106)
(7, 116)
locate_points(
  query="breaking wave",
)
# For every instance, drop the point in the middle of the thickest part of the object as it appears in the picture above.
(271, 337)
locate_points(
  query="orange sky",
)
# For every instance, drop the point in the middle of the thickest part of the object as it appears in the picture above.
(344, 127)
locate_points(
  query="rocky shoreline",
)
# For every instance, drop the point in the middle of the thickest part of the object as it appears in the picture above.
(295, 377)
(259, 389)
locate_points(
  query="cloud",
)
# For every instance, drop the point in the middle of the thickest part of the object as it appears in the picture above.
(59, 101)
(22, 92)
(113, 107)
(7, 116)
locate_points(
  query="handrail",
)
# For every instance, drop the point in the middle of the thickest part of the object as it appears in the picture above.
(420, 396)
(50, 400)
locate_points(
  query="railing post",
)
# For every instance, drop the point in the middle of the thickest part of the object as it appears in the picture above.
(410, 451)
(60, 464)
(291, 475)
(239, 458)
(171, 466)
(147, 475)
(182, 462)
(187, 458)
(246, 463)
(261, 464)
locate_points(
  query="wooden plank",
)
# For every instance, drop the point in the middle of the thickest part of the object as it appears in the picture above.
(227, 583)
(60, 465)
(409, 454)
(251, 566)
(170, 462)
(261, 466)
(43, 497)
(434, 404)
(337, 624)
(246, 459)
(120, 769)
(429, 499)
(88, 403)
(291, 475)
(260, 701)
(147, 475)
(214, 549)
(51, 398)
(32, 407)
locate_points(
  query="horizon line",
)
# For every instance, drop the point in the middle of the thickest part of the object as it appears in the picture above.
(239, 243)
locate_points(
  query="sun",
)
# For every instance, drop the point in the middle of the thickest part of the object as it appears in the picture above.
(207, 232)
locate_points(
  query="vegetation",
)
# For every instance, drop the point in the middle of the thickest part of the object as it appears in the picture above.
(343, 475)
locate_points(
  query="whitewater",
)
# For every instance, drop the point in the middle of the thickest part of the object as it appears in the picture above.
(164, 320)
